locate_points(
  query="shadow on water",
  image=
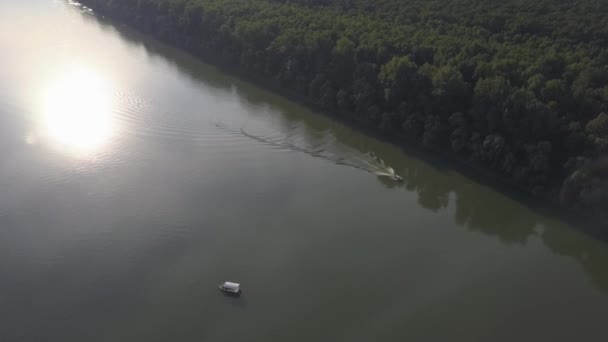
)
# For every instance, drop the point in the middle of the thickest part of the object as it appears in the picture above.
(237, 302)
(477, 208)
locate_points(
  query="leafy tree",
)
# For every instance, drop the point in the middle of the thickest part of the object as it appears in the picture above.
(460, 132)
(433, 131)
(489, 101)
(398, 77)
(598, 126)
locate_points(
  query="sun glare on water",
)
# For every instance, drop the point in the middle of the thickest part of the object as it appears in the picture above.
(76, 111)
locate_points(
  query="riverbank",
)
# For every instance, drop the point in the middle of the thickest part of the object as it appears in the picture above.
(420, 143)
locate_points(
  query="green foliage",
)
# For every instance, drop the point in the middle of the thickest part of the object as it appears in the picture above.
(398, 77)
(598, 126)
(520, 86)
(460, 132)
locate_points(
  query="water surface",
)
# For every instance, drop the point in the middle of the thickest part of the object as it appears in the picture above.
(134, 179)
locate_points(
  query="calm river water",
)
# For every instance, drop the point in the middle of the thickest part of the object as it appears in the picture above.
(134, 179)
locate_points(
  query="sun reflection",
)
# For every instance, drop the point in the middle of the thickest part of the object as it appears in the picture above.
(76, 111)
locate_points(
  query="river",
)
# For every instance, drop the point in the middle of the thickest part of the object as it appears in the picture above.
(135, 178)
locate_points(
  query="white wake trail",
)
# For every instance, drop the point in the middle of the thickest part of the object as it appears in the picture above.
(344, 155)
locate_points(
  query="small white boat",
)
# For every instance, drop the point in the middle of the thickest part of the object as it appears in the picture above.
(230, 288)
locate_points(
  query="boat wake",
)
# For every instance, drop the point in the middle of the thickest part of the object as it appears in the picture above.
(326, 148)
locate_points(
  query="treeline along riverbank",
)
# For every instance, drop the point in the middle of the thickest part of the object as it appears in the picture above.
(518, 87)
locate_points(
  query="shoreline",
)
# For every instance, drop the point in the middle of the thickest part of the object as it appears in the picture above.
(545, 205)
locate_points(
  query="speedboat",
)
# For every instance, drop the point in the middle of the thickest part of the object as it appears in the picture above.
(397, 178)
(230, 288)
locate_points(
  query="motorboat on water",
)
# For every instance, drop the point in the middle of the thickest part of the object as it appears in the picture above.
(397, 178)
(230, 288)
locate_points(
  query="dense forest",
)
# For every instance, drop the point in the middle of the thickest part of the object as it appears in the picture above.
(517, 87)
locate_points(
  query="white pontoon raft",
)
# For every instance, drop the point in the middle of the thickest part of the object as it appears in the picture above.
(230, 288)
